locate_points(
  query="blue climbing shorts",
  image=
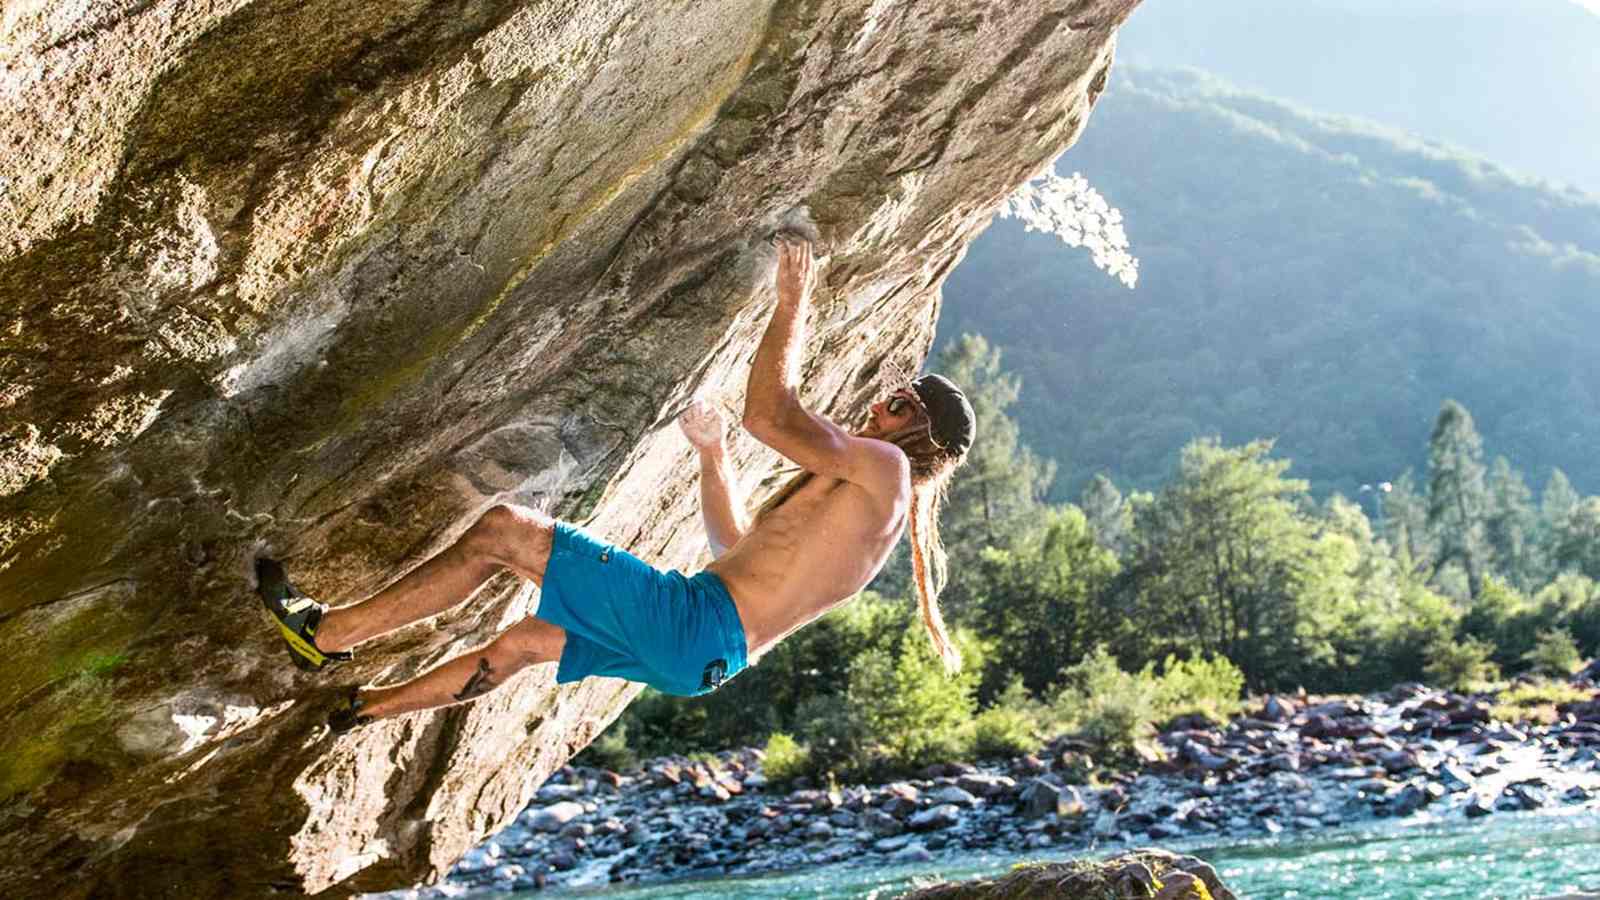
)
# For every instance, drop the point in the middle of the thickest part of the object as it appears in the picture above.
(625, 618)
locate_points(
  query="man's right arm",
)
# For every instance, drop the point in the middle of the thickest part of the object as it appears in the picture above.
(773, 413)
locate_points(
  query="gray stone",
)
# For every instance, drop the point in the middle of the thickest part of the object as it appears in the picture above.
(562, 861)
(880, 823)
(911, 853)
(981, 785)
(818, 831)
(892, 843)
(936, 817)
(953, 795)
(554, 817)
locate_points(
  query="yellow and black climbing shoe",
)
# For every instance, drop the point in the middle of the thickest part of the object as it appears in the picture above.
(297, 615)
(347, 716)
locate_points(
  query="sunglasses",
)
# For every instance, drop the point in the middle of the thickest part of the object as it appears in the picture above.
(899, 403)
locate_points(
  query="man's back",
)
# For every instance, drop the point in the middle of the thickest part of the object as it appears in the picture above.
(821, 546)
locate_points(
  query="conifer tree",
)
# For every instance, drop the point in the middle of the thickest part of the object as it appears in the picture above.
(1556, 501)
(1406, 525)
(1110, 515)
(1458, 500)
(1578, 541)
(1511, 525)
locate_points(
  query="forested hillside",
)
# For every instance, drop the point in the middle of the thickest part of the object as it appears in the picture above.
(1321, 280)
(1514, 82)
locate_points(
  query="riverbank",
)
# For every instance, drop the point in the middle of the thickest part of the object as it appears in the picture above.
(1288, 766)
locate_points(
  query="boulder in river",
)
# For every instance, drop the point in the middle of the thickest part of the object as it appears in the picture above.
(1144, 874)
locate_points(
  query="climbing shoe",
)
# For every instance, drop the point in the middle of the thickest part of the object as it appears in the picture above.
(347, 716)
(297, 615)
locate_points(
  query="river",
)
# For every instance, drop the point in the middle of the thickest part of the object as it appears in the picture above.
(1507, 855)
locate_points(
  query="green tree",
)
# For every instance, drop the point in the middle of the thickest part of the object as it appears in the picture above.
(1554, 653)
(1511, 525)
(1040, 604)
(1110, 515)
(1222, 558)
(1406, 525)
(1575, 601)
(1505, 621)
(1459, 665)
(1458, 500)
(911, 712)
(1577, 544)
(1557, 501)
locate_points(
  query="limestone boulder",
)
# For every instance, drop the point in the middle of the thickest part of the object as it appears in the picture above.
(325, 279)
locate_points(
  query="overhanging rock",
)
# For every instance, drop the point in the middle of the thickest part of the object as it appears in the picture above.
(325, 278)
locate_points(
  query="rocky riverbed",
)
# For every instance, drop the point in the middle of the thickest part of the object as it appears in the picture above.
(1288, 765)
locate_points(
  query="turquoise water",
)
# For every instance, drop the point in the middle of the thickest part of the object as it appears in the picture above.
(1508, 855)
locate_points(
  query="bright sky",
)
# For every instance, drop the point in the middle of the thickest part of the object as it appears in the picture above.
(1591, 5)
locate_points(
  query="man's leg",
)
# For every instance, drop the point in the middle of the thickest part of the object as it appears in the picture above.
(470, 675)
(505, 536)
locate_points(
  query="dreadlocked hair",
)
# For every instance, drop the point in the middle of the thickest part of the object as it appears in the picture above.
(931, 468)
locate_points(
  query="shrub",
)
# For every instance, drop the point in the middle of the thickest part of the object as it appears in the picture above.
(1459, 665)
(786, 759)
(835, 735)
(913, 713)
(1536, 701)
(1200, 686)
(1108, 705)
(1010, 726)
(1554, 653)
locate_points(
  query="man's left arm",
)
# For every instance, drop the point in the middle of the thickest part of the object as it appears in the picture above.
(721, 507)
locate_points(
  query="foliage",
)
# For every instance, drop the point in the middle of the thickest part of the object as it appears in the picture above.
(1578, 539)
(1111, 706)
(1502, 618)
(1110, 515)
(1076, 213)
(1038, 611)
(1554, 653)
(1458, 500)
(1536, 701)
(911, 712)
(1302, 277)
(1222, 559)
(1459, 665)
(785, 759)
(1212, 687)
(1010, 727)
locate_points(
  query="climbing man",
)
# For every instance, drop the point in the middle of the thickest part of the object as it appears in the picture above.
(602, 611)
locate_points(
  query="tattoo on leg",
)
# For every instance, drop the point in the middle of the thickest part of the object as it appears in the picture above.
(481, 682)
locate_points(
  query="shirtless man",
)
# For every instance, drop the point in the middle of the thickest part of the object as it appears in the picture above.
(813, 545)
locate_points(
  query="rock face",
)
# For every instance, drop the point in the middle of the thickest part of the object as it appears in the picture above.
(324, 279)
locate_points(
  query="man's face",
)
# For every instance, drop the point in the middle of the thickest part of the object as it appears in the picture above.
(896, 412)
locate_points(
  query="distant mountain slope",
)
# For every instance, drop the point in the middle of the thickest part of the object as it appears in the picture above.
(1516, 82)
(1313, 278)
